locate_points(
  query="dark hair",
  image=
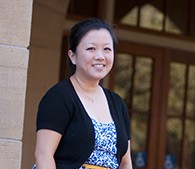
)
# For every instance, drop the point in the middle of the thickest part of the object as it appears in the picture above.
(80, 29)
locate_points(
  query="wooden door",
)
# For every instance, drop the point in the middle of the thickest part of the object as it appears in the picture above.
(146, 78)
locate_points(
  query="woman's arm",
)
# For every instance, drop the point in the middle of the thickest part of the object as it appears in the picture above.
(46, 145)
(126, 162)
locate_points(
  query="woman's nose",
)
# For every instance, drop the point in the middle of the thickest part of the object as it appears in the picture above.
(99, 55)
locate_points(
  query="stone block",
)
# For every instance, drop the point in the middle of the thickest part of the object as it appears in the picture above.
(15, 22)
(14, 57)
(10, 157)
(13, 77)
(12, 100)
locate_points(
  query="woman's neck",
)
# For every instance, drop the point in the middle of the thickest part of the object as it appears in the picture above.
(85, 85)
(85, 89)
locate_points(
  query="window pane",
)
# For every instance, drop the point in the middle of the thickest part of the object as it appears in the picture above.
(174, 137)
(189, 145)
(131, 17)
(123, 75)
(139, 134)
(151, 17)
(126, 12)
(191, 93)
(177, 16)
(142, 84)
(176, 89)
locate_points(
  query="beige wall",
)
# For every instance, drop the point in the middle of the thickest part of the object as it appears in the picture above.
(15, 27)
(44, 64)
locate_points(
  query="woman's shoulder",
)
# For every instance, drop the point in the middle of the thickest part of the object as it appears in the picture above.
(61, 87)
(60, 90)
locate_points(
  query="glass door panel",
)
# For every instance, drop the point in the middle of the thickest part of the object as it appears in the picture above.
(180, 117)
(123, 69)
(189, 145)
(142, 84)
(191, 93)
(189, 133)
(132, 81)
(176, 92)
(174, 139)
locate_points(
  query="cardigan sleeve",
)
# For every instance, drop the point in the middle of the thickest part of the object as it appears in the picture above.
(123, 112)
(126, 119)
(53, 111)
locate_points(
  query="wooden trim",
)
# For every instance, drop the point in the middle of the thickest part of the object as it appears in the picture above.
(164, 89)
(183, 57)
(155, 113)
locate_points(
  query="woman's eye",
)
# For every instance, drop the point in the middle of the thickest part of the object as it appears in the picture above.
(107, 49)
(91, 48)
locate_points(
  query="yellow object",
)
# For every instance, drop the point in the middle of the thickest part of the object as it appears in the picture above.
(90, 166)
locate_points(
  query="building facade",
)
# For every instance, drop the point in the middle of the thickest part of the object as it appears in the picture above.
(154, 73)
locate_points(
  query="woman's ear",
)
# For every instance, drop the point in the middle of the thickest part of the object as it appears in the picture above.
(72, 57)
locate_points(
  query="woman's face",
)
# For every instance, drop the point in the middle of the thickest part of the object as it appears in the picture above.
(94, 55)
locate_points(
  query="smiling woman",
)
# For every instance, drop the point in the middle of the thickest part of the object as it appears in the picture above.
(81, 124)
(94, 56)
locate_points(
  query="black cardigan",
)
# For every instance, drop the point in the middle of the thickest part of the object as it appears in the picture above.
(61, 110)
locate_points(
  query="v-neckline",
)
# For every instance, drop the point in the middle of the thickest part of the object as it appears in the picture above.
(83, 107)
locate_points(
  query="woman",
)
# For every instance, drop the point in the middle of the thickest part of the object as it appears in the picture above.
(80, 124)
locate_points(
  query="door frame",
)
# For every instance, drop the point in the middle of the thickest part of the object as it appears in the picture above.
(156, 143)
(157, 85)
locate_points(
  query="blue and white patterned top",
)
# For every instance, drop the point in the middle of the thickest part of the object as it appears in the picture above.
(104, 153)
(105, 150)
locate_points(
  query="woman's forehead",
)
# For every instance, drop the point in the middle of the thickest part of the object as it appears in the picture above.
(96, 35)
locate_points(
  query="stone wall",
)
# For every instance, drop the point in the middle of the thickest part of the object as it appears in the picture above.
(15, 27)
